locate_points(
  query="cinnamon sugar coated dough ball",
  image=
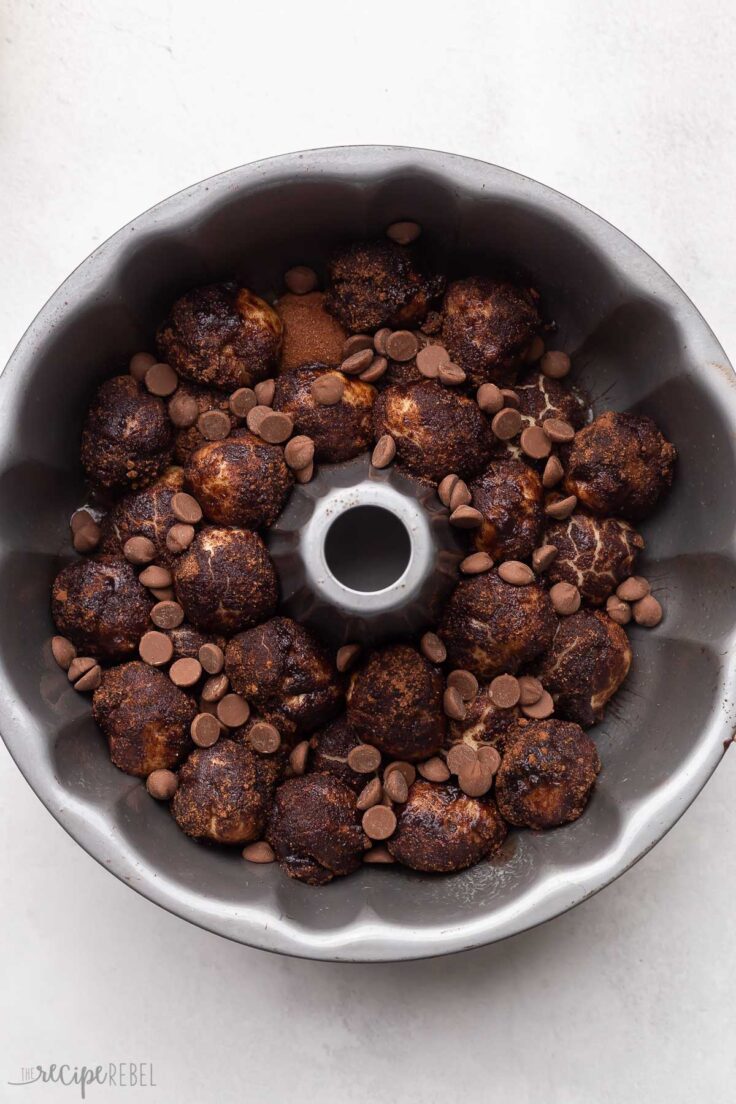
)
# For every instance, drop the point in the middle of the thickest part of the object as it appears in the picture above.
(240, 481)
(340, 431)
(510, 497)
(225, 580)
(490, 627)
(541, 397)
(436, 430)
(487, 326)
(378, 283)
(441, 830)
(287, 674)
(127, 437)
(189, 438)
(329, 749)
(484, 724)
(619, 465)
(145, 513)
(144, 717)
(311, 334)
(314, 829)
(221, 336)
(584, 667)
(101, 607)
(221, 796)
(594, 554)
(395, 703)
(546, 774)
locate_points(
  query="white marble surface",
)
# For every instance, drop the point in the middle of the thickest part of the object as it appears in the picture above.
(631, 108)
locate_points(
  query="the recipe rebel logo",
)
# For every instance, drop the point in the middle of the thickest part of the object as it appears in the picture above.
(115, 1075)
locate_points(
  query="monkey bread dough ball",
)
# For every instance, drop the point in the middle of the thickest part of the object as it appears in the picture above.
(541, 397)
(127, 437)
(436, 430)
(240, 481)
(145, 513)
(594, 554)
(377, 283)
(101, 607)
(329, 749)
(487, 326)
(222, 336)
(286, 673)
(314, 829)
(395, 703)
(546, 774)
(619, 465)
(144, 717)
(340, 431)
(510, 497)
(490, 627)
(588, 660)
(441, 830)
(484, 723)
(225, 580)
(222, 796)
(311, 334)
(188, 438)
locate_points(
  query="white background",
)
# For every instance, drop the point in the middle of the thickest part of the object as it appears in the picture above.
(631, 109)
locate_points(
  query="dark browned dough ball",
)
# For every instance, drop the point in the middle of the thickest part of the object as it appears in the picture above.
(221, 336)
(101, 607)
(594, 554)
(240, 481)
(286, 673)
(619, 465)
(145, 513)
(314, 829)
(187, 641)
(546, 774)
(484, 724)
(144, 717)
(588, 660)
(541, 397)
(487, 326)
(395, 702)
(223, 795)
(311, 334)
(378, 283)
(441, 830)
(340, 431)
(510, 497)
(436, 430)
(225, 580)
(188, 438)
(329, 749)
(127, 437)
(490, 627)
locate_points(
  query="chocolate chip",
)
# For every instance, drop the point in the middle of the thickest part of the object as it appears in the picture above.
(214, 425)
(475, 780)
(328, 390)
(346, 657)
(432, 648)
(275, 428)
(408, 770)
(489, 759)
(155, 576)
(489, 398)
(162, 784)
(205, 730)
(161, 380)
(510, 398)
(185, 508)
(63, 651)
(446, 487)
(430, 359)
(535, 443)
(384, 452)
(300, 279)
(534, 350)
(553, 472)
(299, 452)
(79, 519)
(403, 233)
(357, 362)
(465, 683)
(633, 588)
(264, 738)
(163, 594)
(647, 612)
(516, 573)
(461, 757)
(530, 689)
(565, 598)
(86, 537)
(618, 610)
(561, 508)
(212, 658)
(379, 340)
(505, 691)
(183, 410)
(364, 759)
(379, 822)
(139, 550)
(541, 709)
(233, 710)
(476, 563)
(555, 365)
(375, 370)
(179, 537)
(264, 392)
(139, 365)
(460, 495)
(356, 343)
(506, 424)
(304, 475)
(298, 757)
(434, 769)
(401, 345)
(453, 704)
(185, 672)
(395, 787)
(79, 666)
(215, 687)
(167, 615)
(542, 557)
(466, 517)
(155, 648)
(90, 680)
(379, 856)
(558, 431)
(255, 416)
(370, 795)
(261, 851)
(242, 401)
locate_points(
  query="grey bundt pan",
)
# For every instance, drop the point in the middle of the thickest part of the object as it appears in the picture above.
(637, 341)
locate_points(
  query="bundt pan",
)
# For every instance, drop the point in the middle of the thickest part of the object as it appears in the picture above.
(636, 341)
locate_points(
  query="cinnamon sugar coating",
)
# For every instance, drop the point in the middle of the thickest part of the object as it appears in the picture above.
(441, 830)
(314, 829)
